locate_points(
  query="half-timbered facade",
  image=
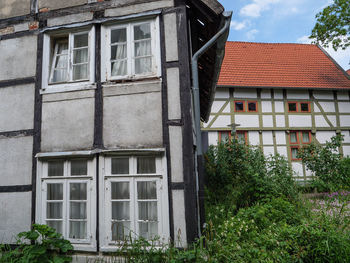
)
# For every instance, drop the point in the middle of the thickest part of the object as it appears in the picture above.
(283, 96)
(96, 127)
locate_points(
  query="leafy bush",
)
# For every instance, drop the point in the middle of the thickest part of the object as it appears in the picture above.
(40, 245)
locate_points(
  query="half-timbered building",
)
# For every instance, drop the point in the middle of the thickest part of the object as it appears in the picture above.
(283, 96)
(97, 134)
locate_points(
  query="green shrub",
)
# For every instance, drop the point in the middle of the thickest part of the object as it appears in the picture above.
(40, 245)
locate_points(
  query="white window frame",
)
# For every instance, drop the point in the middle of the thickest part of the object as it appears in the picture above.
(106, 50)
(43, 180)
(48, 56)
(106, 243)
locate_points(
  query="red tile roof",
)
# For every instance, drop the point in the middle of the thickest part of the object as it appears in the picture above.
(348, 71)
(280, 65)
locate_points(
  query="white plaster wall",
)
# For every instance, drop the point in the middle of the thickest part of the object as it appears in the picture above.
(173, 85)
(324, 95)
(176, 154)
(346, 150)
(299, 121)
(279, 106)
(297, 94)
(227, 109)
(247, 121)
(254, 138)
(15, 215)
(344, 121)
(266, 106)
(342, 95)
(17, 108)
(170, 31)
(16, 160)
(69, 19)
(212, 137)
(217, 105)
(344, 107)
(245, 93)
(267, 137)
(222, 93)
(179, 218)
(316, 108)
(280, 121)
(266, 94)
(267, 121)
(282, 150)
(280, 137)
(333, 119)
(327, 106)
(278, 94)
(320, 121)
(18, 57)
(324, 136)
(346, 135)
(222, 121)
(268, 150)
(14, 8)
(298, 168)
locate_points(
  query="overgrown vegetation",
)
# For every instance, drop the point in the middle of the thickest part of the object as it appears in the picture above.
(255, 213)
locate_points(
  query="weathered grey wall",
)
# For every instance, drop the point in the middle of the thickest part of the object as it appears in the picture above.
(67, 121)
(18, 57)
(11, 8)
(132, 116)
(54, 4)
(16, 108)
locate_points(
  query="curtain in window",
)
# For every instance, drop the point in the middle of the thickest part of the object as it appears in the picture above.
(60, 68)
(119, 63)
(143, 59)
(80, 64)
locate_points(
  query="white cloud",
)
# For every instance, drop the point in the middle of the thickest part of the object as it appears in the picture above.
(254, 9)
(238, 25)
(341, 56)
(251, 34)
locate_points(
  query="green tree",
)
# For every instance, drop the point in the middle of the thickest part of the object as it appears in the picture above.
(333, 25)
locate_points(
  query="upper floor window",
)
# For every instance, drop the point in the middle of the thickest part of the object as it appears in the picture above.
(246, 106)
(131, 50)
(297, 139)
(298, 106)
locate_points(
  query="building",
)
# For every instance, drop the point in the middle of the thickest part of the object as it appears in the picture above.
(283, 96)
(96, 126)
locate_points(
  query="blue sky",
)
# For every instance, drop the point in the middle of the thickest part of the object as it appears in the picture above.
(278, 21)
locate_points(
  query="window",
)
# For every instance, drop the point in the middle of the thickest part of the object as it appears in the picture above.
(292, 106)
(297, 139)
(132, 50)
(305, 106)
(243, 106)
(68, 60)
(66, 199)
(135, 199)
(224, 136)
(252, 106)
(242, 136)
(239, 106)
(299, 107)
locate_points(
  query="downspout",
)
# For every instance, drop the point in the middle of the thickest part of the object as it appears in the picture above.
(196, 100)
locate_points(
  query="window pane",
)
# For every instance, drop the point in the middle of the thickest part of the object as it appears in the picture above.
(120, 190)
(59, 75)
(241, 137)
(61, 62)
(119, 68)
(120, 165)
(121, 210)
(293, 137)
(81, 56)
(251, 106)
(80, 71)
(77, 210)
(56, 225)
(143, 65)
(120, 230)
(148, 211)
(81, 40)
(142, 31)
(292, 106)
(118, 52)
(294, 153)
(225, 136)
(304, 107)
(148, 230)
(146, 165)
(78, 167)
(55, 168)
(78, 191)
(118, 35)
(239, 106)
(143, 48)
(62, 47)
(306, 137)
(77, 230)
(54, 210)
(146, 190)
(54, 191)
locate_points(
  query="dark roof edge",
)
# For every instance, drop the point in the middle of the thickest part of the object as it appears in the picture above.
(274, 87)
(214, 5)
(335, 62)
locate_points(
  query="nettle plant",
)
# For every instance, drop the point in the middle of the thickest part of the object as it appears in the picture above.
(41, 244)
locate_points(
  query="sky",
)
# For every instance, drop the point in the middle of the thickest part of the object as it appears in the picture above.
(278, 21)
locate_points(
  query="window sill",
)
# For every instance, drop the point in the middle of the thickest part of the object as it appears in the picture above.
(66, 87)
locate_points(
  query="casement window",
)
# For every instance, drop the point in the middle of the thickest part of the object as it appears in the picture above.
(239, 106)
(135, 199)
(246, 106)
(298, 139)
(252, 106)
(131, 50)
(241, 136)
(68, 60)
(67, 196)
(298, 106)
(224, 136)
